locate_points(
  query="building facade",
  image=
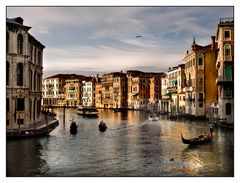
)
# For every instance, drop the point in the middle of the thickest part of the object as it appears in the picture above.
(98, 93)
(88, 92)
(120, 90)
(24, 58)
(200, 74)
(53, 91)
(73, 92)
(225, 68)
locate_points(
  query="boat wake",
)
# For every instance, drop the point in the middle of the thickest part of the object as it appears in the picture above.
(135, 126)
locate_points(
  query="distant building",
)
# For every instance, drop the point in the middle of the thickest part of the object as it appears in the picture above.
(73, 92)
(120, 90)
(200, 76)
(225, 68)
(114, 90)
(164, 102)
(54, 89)
(88, 92)
(175, 89)
(23, 76)
(98, 93)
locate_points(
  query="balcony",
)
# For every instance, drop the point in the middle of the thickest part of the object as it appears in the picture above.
(224, 80)
(228, 58)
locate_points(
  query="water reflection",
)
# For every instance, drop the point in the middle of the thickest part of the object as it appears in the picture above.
(131, 146)
(24, 158)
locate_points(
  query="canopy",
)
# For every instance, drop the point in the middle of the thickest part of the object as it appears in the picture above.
(169, 94)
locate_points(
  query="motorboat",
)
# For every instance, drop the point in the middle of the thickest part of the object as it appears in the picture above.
(87, 111)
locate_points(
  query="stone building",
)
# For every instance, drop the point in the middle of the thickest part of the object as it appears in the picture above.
(120, 90)
(73, 92)
(24, 63)
(225, 68)
(54, 89)
(88, 92)
(200, 77)
(98, 93)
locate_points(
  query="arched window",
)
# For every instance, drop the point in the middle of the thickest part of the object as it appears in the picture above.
(7, 42)
(7, 73)
(30, 82)
(227, 50)
(228, 108)
(39, 58)
(35, 81)
(20, 44)
(19, 74)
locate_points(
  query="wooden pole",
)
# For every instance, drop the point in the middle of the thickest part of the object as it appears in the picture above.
(64, 115)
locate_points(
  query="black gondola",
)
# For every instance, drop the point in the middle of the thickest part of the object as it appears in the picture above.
(73, 127)
(102, 126)
(202, 139)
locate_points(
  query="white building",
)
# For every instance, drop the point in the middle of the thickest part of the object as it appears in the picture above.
(23, 76)
(88, 92)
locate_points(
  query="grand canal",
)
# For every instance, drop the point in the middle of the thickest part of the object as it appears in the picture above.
(131, 146)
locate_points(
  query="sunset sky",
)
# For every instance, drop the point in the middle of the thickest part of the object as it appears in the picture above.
(91, 40)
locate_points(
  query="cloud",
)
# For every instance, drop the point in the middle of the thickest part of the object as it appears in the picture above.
(103, 39)
(43, 30)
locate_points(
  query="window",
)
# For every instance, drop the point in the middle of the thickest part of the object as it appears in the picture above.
(7, 121)
(20, 104)
(227, 50)
(7, 104)
(200, 97)
(200, 61)
(200, 82)
(31, 53)
(20, 44)
(200, 105)
(30, 80)
(228, 109)
(20, 121)
(227, 35)
(19, 74)
(228, 91)
(7, 73)
(7, 42)
(157, 88)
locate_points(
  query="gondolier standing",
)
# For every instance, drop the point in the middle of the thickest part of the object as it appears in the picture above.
(211, 128)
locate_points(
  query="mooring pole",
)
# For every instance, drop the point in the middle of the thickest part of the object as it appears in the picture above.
(64, 115)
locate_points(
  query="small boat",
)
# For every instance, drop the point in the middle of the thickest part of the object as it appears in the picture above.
(102, 126)
(201, 139)
(87, 111)
(117, 110)
(153, 118)
(226, 125)
(73, 127)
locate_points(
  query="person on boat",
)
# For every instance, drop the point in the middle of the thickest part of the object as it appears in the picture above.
(211, 128)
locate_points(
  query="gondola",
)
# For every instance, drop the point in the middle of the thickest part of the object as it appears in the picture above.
(202, 139)
(73, 127)
(102, 126)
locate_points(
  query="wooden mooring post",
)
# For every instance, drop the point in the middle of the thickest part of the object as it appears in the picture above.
(64, 115)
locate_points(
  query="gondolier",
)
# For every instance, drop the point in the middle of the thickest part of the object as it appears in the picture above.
(211, 128)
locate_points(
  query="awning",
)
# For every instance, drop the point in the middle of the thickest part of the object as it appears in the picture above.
(169, 94)
(135, 94)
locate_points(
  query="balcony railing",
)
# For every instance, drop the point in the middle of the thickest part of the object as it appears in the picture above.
(228, 58)
(227, 20)
(224, 79)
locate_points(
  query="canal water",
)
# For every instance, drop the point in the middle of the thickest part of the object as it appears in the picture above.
(131, 146)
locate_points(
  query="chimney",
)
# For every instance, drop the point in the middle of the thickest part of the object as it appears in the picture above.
(213, 42)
